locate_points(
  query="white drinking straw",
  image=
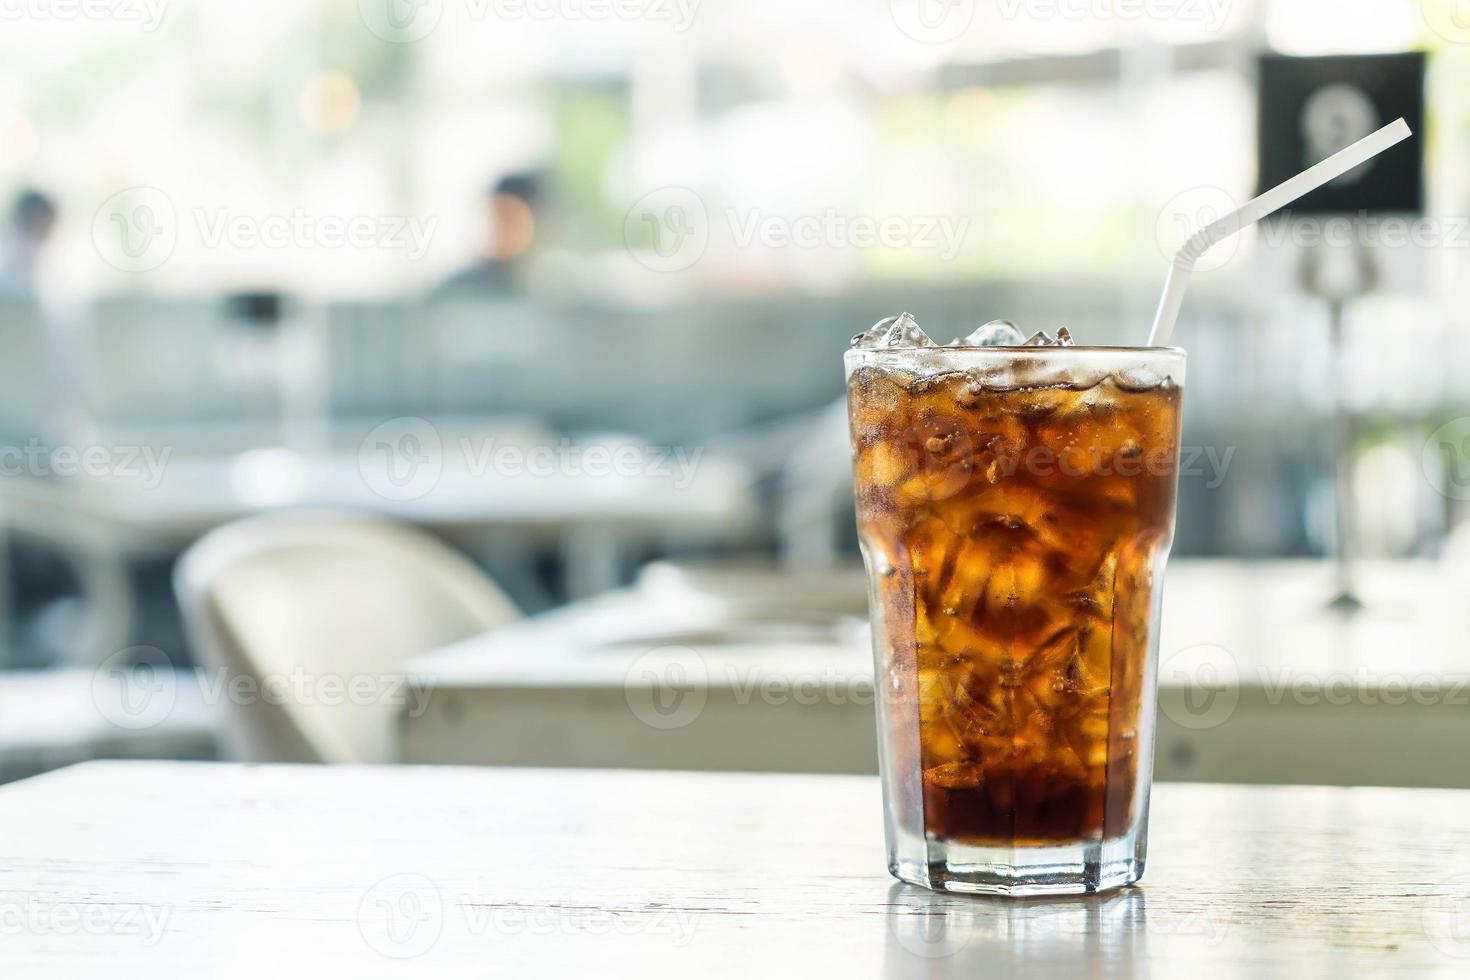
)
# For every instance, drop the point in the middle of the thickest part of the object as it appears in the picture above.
(1277, 197)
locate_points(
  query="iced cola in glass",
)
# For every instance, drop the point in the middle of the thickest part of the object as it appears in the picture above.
(1015, 507)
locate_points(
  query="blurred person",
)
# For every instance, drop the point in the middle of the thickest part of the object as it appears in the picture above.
(33, 218)
(511, 210)
(30, 334)
(45, 617)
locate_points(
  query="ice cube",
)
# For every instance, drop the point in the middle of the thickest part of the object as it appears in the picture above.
(996, 333)
(956, 775)
(871, 336)
(894, 331)
(1043, 339)
(1138, 379)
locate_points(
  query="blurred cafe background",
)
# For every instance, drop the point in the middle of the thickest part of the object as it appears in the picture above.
(459, 381)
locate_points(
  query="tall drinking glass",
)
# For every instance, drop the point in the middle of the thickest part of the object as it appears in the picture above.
(1015, 508)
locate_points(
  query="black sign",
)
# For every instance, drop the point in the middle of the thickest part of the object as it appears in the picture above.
(1312, 107)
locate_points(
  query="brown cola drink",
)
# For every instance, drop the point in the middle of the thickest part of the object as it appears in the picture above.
(1015, 507)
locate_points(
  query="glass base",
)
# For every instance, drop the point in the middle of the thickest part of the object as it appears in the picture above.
(1064, 869)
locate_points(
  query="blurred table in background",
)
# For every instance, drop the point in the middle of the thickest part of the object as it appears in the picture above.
(497, 507)
(750, 670)
(195, 493)
(435, 872)
(55, 718)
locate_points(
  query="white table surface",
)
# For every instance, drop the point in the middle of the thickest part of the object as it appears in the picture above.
(151, 870)
(1258, 681)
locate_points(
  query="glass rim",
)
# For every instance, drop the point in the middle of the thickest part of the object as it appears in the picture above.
(1020, 352)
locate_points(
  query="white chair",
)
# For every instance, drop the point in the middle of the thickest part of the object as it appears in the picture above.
(302, 623)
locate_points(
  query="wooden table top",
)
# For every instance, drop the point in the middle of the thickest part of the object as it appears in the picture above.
(175, 869)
